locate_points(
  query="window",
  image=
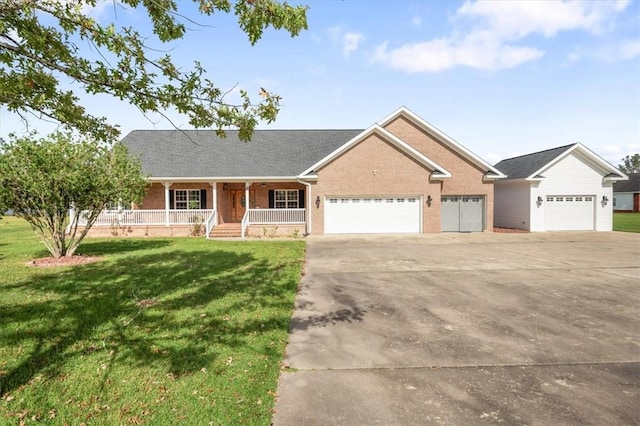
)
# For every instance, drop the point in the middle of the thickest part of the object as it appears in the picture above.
(388, 200)
(355, 200)
(333, 200)
(286, 199)
(186, 199)
(411, 200)
(588, 198)
(400, 200)
(549, 199)
(559, 198)
(578, 198)
(569, 198)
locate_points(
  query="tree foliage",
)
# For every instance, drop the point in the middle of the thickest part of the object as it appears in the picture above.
(41, 180)
(35, 58)
(630, 164)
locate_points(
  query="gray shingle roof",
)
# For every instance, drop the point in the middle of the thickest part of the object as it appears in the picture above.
(631, 185)
(525, 165)
(201, 153)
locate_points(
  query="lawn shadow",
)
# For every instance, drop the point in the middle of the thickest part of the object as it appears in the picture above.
(169, 309)
(117, 246)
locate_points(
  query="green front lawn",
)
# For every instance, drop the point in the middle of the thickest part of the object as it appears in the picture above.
(627, 222)
(160, 332)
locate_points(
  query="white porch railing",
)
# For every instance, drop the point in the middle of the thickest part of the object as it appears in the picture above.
(212, 221)
(147, 217)
(245, 223)
(276, 216)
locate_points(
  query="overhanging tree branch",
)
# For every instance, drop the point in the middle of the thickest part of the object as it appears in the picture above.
(34, 58)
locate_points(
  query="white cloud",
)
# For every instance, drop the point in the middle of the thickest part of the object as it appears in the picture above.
(495, 29)
(627, 50)
(445, 53)
(623, 50)
(517, 19)
(351, 41)
(416, 21)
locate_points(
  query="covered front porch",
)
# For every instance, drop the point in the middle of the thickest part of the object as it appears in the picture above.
(273, 209)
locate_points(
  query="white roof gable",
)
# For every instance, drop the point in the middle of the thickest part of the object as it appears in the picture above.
(610, 172)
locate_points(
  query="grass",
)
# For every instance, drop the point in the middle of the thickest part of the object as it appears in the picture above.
(626, 222)
(161, 331)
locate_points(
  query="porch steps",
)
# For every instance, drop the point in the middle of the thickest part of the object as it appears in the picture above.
(227, 230)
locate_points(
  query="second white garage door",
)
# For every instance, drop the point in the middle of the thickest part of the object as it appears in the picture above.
(366, 215)
(569, 213)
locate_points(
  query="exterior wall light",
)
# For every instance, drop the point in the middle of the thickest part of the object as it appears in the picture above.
(225, 186)
(605, 200)
(539, 201)
(429, 200)
(318, 201)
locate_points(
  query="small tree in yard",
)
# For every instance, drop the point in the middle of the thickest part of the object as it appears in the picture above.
(41, 180)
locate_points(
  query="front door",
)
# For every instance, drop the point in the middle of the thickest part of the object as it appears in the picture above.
(238, 204)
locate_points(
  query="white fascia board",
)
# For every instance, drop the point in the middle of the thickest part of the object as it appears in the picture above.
(616, 178)
(308, 177)
(489, 177)
(420, 122)
(224, 179)
(590, 155)
(439, 176)
(403, 146)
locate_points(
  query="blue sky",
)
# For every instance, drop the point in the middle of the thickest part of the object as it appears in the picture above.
(502, 78)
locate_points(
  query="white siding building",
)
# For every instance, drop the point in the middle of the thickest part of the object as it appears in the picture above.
(569, 188)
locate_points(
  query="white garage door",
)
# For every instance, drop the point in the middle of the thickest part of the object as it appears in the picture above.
(569, 213)
(371, 215)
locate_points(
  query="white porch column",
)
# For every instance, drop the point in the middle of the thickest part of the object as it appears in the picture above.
(214, 192)
(246, 195)
(167, 202)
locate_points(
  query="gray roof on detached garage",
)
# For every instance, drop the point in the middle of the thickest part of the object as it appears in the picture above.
(201, 153)
(525, 165)
(631, 185)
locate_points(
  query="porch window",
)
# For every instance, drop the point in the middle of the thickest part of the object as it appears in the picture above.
(187, 199)
(286, 199)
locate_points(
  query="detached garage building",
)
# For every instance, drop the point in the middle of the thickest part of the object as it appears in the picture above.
(568, 188)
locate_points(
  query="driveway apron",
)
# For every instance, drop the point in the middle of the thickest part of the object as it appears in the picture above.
(465, 329)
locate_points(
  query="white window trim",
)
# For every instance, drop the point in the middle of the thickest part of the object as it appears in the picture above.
(188, 201)
(286, 200)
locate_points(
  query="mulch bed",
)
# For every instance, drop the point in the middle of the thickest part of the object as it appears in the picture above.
(47, 262)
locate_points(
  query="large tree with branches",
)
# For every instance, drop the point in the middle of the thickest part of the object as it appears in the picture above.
(36, 59)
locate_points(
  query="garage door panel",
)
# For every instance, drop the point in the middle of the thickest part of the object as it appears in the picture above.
(569, 213)
(462, 213)
(372, 215)
(471, 214)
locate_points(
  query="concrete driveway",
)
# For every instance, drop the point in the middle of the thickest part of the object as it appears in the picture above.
(466, 329)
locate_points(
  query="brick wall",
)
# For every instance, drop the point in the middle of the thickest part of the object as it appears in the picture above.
(466, 178)
(374, 167)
